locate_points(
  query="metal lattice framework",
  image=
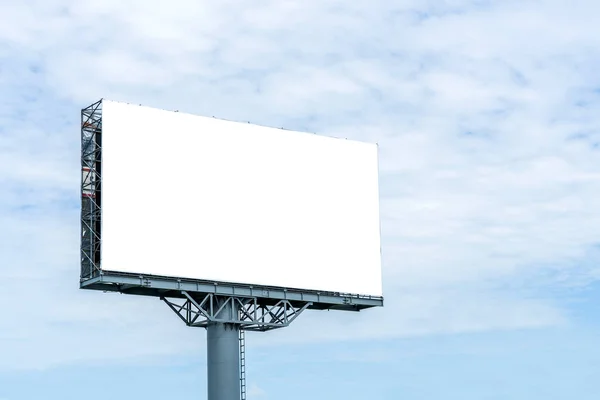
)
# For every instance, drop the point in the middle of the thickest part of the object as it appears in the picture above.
(91, 160)
(246, 312)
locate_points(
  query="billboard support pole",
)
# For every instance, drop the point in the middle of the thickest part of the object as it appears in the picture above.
(223, 357)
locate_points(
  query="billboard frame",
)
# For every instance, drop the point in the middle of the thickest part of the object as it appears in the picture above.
(93, 277)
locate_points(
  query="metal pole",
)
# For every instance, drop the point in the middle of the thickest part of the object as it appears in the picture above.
(223, 355)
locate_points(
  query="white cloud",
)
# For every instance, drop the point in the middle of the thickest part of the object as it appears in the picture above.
(255, 392)
(486, 114)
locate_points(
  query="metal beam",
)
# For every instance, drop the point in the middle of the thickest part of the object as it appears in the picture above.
(148, 285)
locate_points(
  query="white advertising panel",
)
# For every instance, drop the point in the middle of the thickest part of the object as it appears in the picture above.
(196, 197)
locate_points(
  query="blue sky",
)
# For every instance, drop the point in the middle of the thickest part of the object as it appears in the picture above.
(487, 116)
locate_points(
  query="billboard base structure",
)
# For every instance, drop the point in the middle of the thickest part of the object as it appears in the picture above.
(226, 310)
(225, 319)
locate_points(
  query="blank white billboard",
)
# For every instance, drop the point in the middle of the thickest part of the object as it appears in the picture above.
(196, 197)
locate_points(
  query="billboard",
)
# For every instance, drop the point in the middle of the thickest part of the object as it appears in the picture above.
(194, 197)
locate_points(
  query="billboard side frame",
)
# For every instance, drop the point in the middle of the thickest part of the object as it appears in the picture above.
(91, 186)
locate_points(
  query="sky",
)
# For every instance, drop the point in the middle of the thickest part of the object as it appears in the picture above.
(487, 118)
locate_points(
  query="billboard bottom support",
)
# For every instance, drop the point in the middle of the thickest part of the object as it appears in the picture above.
(223, 359)
(225, 319)
(247, 312)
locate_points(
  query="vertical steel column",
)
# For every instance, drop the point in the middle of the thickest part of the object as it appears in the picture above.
(223, 355)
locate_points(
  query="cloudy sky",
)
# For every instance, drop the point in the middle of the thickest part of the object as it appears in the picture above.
(487, 114)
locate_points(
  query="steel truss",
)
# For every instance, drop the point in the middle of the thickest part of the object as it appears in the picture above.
(246, 312)
(91, 182)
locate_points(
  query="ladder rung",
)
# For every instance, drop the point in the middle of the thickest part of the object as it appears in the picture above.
(242, 338)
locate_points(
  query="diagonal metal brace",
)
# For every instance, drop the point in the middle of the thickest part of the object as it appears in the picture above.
(249, 314)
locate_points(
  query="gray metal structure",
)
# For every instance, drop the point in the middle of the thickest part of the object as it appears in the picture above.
(225, 309)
